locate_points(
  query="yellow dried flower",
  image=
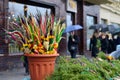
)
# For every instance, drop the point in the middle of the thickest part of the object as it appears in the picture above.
(42, 37)
(48, 52)
(41, 51)
(55, 45)
(30, 41)
(51, 37)
(32, 53)
(110, 57)
(25, 45)
(46, 39)
(52, 52)
(35, 47)
(29, 45)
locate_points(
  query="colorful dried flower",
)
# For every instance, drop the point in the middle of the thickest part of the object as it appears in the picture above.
(37, 35)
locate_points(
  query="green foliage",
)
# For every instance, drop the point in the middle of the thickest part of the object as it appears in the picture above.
(101, 55)
(85, 69)
(98, 43)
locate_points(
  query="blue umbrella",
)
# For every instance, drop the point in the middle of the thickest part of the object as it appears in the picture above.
(72, 28)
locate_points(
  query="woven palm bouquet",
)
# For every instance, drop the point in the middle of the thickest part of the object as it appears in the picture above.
(37, 34)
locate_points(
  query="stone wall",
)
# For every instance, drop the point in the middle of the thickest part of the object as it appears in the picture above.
(107, 11)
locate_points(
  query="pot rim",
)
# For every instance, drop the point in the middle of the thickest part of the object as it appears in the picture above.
(40, 55)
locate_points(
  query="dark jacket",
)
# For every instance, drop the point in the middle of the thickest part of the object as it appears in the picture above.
(73, 45)
(110, 46)
(115, 43)
(118, 40)
(93, 46)
(104, 45)
(26, 64)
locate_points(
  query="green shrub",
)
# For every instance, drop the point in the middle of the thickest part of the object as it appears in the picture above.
(101, 55)
(85, 69)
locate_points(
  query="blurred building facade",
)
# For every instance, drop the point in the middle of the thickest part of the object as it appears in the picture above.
(110, 13)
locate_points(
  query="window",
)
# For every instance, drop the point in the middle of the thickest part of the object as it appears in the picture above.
(90, 20)
(16, 9)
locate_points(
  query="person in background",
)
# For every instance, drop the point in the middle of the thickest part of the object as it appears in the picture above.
(115, 42)
(118, 39)
(104, 43)
(95, 43)
(73, 44)
(110, 43)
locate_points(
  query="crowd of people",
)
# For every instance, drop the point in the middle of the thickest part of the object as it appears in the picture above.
(100, 41)
(103, 41)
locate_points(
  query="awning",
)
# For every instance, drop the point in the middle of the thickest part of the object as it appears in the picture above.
(98, 2)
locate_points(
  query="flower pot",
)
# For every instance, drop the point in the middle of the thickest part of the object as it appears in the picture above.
(41, 66)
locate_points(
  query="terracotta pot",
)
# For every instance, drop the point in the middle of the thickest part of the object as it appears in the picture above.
(41, 66)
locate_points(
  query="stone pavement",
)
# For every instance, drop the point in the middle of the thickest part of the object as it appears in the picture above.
(15, 74)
